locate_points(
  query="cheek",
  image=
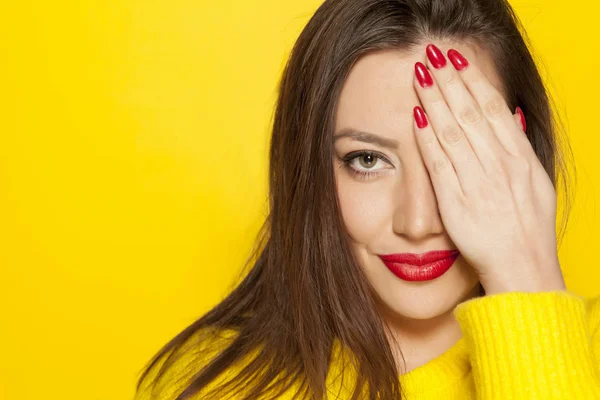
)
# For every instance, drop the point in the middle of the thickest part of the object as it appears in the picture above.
(366, 208)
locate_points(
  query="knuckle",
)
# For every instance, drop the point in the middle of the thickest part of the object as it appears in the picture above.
(494, 106)
(449, 80)
(429, 141)
(440, 165)
(469, 115)
(437, 103)
(452, 134)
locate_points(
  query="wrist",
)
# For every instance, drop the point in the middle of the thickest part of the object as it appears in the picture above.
(495, 286)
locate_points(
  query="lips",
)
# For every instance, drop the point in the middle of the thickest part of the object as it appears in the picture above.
(420, 267)
(419, 259)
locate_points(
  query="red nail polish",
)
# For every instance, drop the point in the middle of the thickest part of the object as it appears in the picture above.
(423, 75)
(520, 112)
(420, 117)
(457, 59)
(436, 57)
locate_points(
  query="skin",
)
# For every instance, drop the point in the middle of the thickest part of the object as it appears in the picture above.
(405, 206)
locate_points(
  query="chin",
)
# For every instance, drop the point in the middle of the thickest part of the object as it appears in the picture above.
(426, 299)
(429, 308)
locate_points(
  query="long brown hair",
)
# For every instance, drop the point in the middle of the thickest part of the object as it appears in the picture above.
(302, 288)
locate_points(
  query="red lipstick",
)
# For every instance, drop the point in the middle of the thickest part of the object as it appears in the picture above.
(420, 267)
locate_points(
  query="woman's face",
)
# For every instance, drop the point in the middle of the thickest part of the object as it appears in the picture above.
(393, 208)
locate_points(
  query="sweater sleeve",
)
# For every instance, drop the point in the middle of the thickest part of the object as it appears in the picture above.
(533, 345)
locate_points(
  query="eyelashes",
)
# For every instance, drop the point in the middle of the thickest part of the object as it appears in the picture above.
(364, 174)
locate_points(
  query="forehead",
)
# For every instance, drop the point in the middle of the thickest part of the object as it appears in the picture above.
(378, 96)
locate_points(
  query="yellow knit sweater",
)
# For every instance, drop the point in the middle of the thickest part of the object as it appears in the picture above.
(515, 345)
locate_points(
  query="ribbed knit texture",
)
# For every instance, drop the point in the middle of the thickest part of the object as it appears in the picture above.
(515, 346)
(531, 346)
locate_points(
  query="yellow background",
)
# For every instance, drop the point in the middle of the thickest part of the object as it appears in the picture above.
(133, 154)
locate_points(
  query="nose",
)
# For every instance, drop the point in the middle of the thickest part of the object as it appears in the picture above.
(416, 213)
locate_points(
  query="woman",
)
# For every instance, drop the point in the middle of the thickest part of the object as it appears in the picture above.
(410, 250)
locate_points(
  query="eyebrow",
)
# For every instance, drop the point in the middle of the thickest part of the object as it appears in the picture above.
(366, 137)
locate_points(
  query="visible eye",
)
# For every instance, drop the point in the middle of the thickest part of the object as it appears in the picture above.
(366, 160)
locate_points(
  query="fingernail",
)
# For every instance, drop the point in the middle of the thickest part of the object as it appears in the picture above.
(518, 110)
(420, 117)
(457, 59)
(436, 57)
(423, 75)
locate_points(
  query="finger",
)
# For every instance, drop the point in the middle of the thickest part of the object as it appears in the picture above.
(443, 176)
(543, 188)
(519, 120)
(448, 132)
(493, 106)
(467, 112)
